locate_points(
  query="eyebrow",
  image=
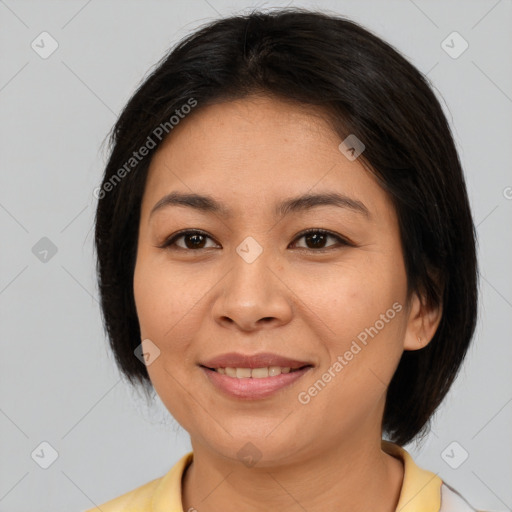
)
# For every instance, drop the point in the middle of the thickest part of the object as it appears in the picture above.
(304, 202)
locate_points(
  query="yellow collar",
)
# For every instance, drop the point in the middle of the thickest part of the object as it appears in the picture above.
(421, 489)
(167, 496)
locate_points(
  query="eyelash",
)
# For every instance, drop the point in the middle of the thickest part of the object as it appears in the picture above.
(169, 242)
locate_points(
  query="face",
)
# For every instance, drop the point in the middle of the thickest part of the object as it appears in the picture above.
(247, 280)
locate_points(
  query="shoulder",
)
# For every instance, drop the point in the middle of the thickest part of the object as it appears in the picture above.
(162, 493)
(137, 500)
(424, 490)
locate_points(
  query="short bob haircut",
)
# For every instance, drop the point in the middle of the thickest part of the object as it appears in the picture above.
(362, 86)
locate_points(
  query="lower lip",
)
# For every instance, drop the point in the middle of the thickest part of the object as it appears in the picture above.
(250, 388)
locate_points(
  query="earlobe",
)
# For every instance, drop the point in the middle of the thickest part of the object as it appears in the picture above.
(422, 323)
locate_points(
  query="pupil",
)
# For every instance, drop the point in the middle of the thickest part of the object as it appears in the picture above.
(194, 245)
(318, 239)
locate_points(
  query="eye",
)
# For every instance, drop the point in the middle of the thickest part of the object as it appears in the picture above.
(315, 239)
(194, 240)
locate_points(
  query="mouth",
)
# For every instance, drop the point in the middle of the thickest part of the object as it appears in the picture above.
(253, 383)
(255, 373)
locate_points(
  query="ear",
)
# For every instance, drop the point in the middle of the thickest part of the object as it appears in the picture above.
(422, 323)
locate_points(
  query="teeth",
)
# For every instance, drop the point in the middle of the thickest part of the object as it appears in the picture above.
(259, 373)
(243, 373)
(255, 373)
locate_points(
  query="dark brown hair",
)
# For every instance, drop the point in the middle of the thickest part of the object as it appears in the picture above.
(366, 88)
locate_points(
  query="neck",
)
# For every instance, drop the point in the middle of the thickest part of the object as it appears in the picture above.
(355, 476)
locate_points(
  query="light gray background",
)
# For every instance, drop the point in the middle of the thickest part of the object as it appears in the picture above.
(59, 382)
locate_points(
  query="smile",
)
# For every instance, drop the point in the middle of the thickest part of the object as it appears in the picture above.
(255, 373)
(253, 383)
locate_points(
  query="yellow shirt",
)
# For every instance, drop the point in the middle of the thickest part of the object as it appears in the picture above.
(422, 490)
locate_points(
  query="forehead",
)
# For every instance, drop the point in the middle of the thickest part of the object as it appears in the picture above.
(257, 151)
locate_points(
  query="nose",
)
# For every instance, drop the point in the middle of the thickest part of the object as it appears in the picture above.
(252, 296)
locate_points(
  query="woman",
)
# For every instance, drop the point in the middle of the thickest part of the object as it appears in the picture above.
(286, 254)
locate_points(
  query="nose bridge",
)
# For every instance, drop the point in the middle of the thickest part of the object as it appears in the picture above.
(250, 273)
(251, 290)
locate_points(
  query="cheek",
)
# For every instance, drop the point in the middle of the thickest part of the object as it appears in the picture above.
(162, 297)
(361, 306)
(350, 296)
(170, 304)
(166, 317)
(151, 299)
(362, 326)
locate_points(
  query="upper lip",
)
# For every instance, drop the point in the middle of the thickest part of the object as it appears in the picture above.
(263, 360)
